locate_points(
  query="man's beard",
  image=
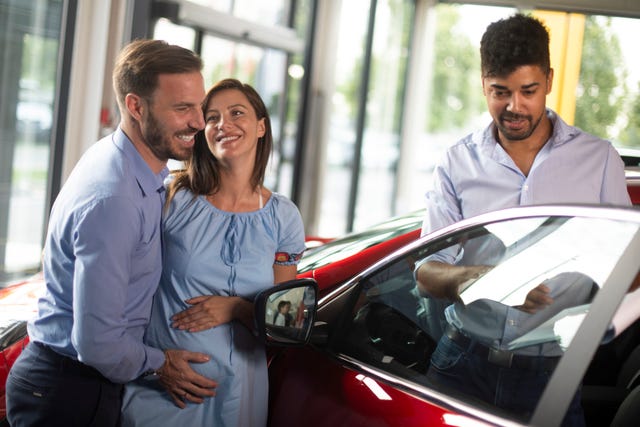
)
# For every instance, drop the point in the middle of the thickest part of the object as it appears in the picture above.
(518, 135)
(159, 142)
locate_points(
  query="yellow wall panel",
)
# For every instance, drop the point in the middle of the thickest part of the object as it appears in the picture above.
(566, 34)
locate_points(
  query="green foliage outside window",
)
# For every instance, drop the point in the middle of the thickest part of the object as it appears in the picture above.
(602, 93)
(457, 94)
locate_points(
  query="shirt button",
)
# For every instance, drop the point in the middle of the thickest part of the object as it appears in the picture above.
(525, 187)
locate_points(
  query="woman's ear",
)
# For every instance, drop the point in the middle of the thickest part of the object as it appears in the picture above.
(261, 128)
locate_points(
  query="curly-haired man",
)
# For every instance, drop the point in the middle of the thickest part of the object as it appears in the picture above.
(527, 155)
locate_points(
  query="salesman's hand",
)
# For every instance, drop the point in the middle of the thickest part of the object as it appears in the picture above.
(181, 381)
(537, 299)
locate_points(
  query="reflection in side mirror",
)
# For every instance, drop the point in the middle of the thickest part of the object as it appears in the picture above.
(285, 313)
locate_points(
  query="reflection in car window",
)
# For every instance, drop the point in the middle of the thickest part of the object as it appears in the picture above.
(399, 327)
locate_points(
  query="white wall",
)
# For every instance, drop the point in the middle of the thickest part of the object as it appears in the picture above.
(99, 28)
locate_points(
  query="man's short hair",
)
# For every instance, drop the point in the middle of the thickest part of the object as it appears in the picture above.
(141, 61)
(513, 42)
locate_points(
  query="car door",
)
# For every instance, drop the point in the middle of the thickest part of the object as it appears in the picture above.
(373, 344)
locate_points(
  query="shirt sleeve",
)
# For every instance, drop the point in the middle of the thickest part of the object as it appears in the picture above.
(614, 187)
(442, 205)
(106, 236)
(442, 209)
(291, 244)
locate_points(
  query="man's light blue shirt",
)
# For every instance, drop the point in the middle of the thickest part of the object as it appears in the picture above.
(102, 262)
(478, 176)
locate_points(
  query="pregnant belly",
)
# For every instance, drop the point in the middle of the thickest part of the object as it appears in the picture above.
(228, 347)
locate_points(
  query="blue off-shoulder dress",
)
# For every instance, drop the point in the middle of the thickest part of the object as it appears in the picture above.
(212, 252)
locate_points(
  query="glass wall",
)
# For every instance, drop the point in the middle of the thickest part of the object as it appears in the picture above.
(366, 110)
(608, 91)
(343, 122)
(360, 183)
(269, 13)
(378, 167)
(29, 42)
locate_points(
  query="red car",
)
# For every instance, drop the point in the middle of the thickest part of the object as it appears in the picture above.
(17, 305)
(370, 348)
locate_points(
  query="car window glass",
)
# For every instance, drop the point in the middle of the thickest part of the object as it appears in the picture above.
(395, 326)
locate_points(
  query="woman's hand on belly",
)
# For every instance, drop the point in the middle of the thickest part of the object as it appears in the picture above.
(209, 311)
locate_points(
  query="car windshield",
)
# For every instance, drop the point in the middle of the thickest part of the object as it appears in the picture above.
(353, 243)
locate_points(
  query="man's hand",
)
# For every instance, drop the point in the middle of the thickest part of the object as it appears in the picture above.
(537, 299)
(181, 381)
(440, 280)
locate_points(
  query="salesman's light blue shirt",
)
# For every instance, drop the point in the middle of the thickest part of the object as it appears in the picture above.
(102, 262)
(478, 176)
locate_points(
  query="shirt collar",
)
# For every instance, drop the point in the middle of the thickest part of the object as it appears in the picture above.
(148, 182)
(562, 132)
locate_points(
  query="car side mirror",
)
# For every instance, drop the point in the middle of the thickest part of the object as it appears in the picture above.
(285, 313)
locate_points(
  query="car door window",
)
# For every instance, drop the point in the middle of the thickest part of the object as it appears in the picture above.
(395, 326)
